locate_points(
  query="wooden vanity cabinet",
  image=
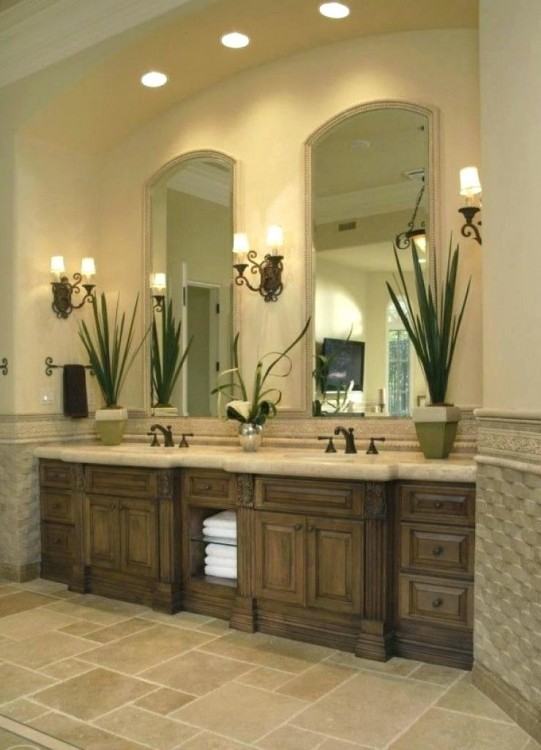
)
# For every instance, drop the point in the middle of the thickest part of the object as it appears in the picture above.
(434, 569)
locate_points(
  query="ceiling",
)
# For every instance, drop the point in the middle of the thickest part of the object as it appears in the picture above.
(107, 102)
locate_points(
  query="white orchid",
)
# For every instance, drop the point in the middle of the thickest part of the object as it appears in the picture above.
(240, 408)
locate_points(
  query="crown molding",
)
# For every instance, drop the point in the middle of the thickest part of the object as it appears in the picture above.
(37, 33)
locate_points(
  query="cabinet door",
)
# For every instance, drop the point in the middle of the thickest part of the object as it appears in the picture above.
(279, 569)
(104, 532)
(138, 537)
(334, 565)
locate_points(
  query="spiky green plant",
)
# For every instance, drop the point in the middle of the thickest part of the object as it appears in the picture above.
(167, 358)
(109, 346)
(263, 401)
(432, 325)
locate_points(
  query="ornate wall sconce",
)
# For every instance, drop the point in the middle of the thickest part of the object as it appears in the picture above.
(416, 232)
(63, 289)
(269, 269)
(158, 285)
(470, 187)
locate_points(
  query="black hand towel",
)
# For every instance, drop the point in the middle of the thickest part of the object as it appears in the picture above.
(75, 402)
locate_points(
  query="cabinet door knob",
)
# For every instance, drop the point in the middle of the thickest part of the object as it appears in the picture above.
(205, 487)
(438, 504)
(112, 506)
(437, 551)
(298, 526)
(437, 603)
(310, 527)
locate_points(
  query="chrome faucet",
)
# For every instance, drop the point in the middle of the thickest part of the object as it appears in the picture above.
(348, 437)
(167, 433)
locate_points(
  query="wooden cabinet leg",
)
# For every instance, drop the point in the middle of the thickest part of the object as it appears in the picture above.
(243, 614)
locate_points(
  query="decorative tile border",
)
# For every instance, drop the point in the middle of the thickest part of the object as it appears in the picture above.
(510, 435)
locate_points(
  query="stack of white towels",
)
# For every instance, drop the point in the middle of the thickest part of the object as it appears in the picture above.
(220, 531)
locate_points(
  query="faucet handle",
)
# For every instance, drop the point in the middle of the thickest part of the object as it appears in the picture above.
(330, 445)
(372, 450)
(184, 443)
(155, 443)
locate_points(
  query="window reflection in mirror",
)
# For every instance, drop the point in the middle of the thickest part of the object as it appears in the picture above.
(191, 239)
(369, 185)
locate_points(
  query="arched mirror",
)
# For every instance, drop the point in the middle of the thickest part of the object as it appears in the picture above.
(191, 236)
(371, 173)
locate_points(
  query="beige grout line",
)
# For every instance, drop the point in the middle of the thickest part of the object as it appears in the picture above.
(34, 735)
(506, 722)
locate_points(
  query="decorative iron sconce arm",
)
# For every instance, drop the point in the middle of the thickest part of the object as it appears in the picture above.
(63, 292)
(469, 228)
(4, 366)
(158, 303)
(270, 274)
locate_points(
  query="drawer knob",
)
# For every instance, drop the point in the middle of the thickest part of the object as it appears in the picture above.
(438, 504)
(205, 487)
(437, 551)
(437, 603)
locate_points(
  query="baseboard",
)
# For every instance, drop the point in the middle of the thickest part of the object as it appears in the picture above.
(19, 573)
(524, 713)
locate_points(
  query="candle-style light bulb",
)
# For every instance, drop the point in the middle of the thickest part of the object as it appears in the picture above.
(57, 266)
(241, 243)
(470, 184)
(158, 282)
(88, 269)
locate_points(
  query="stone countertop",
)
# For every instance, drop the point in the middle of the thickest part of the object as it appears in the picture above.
(384, 467)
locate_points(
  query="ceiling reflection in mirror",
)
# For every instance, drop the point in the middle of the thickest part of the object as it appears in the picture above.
(191, 239)
(370, 178)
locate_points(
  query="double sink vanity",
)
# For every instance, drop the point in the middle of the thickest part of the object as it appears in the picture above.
(371, 554)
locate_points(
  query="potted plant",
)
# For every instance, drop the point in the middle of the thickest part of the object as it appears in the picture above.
(167, 360)
(433, 327)
(108, 348)
(252, 411)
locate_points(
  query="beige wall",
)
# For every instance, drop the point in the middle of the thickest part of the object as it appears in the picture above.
(511, 113)
(262, 118)
(76, 204)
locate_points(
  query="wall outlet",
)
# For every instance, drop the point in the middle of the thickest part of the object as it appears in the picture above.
(46, 397)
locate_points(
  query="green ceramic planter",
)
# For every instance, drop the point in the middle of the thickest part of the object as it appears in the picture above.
(436, 428)
(111, 424)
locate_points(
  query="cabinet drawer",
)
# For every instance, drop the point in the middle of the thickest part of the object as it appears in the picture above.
(56, 505)
(437, 550)
(55, 474)
(324, 498)
(434, 601)
(57, 540)
(126, 482)
(438, 503)
(209, 485)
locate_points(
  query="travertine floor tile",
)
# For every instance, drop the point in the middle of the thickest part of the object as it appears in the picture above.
(137, 724)
(113, 606)
(70, 607)
(92, 694)
(80, 628)
(218, 627)
(21, 601)
(8, 588)
(467, 698)
(146, 649)
(64, 670)
(22, 710)
(268, 651)
(332, 744)
(82, 735)
(290, 738)
(396, 665)
(42, 586)
(17, 681)
(9, 740)
(439, 675)
(533, 745)
(240, 712)
(120, 630)
(196, 672)
(447, 730)
(21, 626)
(37, 652)
(164, 701)
(209, 741)
(190, 620)
(264, 677)
(316, 681)
(369, 709)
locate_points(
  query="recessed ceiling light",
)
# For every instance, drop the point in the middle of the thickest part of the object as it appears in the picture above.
(235, 40)
(154, 79)
(334, 10)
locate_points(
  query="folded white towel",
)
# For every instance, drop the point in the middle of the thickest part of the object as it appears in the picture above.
(220, 562)
(227, 518)
(220, 539)
(220, 572)
(221, 550)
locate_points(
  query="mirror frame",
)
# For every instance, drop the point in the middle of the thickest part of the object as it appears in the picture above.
(433, 191)
(169, 167)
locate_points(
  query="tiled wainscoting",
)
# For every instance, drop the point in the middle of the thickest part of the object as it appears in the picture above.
(507, 633)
